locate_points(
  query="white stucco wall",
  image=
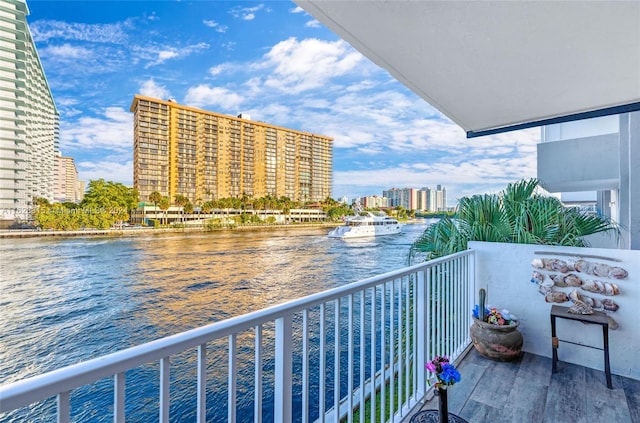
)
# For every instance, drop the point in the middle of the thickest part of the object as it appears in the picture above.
(505, 271)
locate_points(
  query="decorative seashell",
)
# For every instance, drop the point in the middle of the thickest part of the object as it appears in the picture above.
(618, 273)
(610, 288)
(592, 302)
(571, 265)
(556, 265)
(572, 280)
(537, 277)
(580, 308)
(558, 281)
(538, 263)
(584, 267)
(599, 287)
(544, 290)
(602, 270)
(609, 304)
(593, 286)
(556, 297)
(575, 296)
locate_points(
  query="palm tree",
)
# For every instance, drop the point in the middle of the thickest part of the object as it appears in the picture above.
(155, 197)
(164, 206)
(181, 201)
(518, 215)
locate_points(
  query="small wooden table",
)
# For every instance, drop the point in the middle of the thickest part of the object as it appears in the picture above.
(597, 318)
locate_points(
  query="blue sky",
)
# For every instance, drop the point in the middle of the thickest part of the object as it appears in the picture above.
(270, 60)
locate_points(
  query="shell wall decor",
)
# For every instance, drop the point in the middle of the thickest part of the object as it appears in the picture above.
(587, 284)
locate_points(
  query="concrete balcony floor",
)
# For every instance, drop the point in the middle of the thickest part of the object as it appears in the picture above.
(527, 391)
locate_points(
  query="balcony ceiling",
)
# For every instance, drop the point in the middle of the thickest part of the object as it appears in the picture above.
(494, 66)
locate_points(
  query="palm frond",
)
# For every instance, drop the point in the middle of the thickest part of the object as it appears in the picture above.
(516, 215)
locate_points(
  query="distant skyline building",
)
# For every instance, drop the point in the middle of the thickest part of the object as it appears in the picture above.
(375, 201)
(405, 197)
(67, 187)
(436, 199)
(206, 155)
(29, 119)
(425, 199)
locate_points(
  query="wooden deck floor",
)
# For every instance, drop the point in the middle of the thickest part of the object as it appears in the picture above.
(527, 391)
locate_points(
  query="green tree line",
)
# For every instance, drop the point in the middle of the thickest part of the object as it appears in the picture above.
(105, 203)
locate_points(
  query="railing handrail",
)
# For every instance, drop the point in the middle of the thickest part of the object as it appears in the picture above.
(36, 388)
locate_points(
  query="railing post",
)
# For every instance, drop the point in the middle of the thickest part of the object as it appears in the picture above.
(473, 282)
(165, 366)
(64, 407)
(421, 333)
(119, 398)
(283, 372)
(201, 396)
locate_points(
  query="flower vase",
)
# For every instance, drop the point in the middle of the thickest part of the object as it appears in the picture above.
(441, 392)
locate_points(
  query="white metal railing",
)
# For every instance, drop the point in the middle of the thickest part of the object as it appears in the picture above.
(332, 356)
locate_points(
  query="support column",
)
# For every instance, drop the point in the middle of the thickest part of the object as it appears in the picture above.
(629, 199)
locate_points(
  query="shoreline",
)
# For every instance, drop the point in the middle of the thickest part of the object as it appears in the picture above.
(32, 233)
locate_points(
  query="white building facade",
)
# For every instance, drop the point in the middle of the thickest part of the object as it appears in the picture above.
(602, 155)
(29, 119)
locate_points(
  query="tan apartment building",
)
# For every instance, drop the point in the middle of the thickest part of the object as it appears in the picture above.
(67, 186)
(206, 155)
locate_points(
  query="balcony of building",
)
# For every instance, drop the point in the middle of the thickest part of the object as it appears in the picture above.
(342, 354)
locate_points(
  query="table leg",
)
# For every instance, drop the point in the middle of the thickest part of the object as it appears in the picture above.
(554, 346)
(607, 367)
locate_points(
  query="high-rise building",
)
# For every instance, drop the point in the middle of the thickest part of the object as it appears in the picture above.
(405, 197)
(436, 199)
(67, 185)
(424, 199)
(205, 155)
(29, 120)
(374, 201)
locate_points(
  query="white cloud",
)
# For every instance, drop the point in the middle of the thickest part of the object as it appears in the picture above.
(313, 24)
(45, 30)
(303, 65)
(164, 54)
(461, 179)
(204, 95)
(67, 51)
(246, 13)
(109, 170)
(229, 45)
(113, 131)
(66, 101)
(150, 88)
(273, 113)
(297, 9)
(215, 25)
(167, 54)
(221, 68)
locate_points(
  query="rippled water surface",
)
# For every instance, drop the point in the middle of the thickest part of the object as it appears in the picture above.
(63, 301)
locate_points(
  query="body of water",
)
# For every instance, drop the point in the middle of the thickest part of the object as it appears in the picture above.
(63, 301)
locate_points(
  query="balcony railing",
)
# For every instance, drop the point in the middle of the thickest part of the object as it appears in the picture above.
(338, 355)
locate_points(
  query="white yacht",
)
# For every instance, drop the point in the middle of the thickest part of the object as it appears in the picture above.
(366, 224)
